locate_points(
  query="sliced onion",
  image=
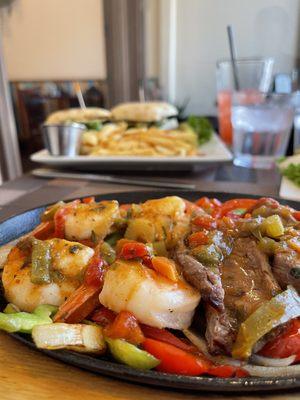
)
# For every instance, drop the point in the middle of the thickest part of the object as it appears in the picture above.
(268, 372)
(200, 343)
(254, 370)
(272, 362)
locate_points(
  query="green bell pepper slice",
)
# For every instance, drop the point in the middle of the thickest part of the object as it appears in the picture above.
(24, 322)
(40, 262)
(127, 353)
(108, 253)
(275, 312)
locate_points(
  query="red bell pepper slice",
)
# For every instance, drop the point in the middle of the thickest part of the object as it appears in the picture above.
(227, 371)
(204, 202)
(286, 344)
(167, 337)
(233, 204)
(174, 360)
(125, 326)
(103, 316)
(211, 206)
(296, 215)
(88, 200)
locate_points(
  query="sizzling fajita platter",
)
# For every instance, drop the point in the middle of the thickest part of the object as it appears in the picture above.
(176, 289)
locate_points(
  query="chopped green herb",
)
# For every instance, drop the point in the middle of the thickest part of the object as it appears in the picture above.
(292, 172)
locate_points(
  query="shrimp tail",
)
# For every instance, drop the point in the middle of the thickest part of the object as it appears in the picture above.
(79, 305)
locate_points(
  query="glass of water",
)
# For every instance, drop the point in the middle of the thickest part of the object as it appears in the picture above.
(261, 124)
(296, 101)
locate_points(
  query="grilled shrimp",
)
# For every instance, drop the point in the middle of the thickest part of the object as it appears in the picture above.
(86, 220)
(153, 299)
(158, 220)
(68, 263)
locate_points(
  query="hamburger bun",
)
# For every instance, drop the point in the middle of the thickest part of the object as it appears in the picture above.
(78, 115)
(143, 112)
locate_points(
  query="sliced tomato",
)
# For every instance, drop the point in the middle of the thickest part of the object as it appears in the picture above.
(44, 230)
(205, 222)
(198, 238)
(125, 326)
(286, 344)
(167, 337)
(234, 204)
(88, 200)
(174, 360)
(103, 316)
(134, 250)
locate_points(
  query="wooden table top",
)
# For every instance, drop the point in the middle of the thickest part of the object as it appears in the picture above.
(27, 374)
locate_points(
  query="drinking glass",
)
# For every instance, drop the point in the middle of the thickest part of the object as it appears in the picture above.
(253, 75)
(262, 124)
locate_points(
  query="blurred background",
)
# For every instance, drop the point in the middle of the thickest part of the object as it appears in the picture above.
(120, 50)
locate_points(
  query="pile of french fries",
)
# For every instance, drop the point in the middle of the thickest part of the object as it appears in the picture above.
(119, 140)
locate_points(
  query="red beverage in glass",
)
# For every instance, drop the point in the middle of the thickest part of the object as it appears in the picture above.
(224, 115)
(254, 75)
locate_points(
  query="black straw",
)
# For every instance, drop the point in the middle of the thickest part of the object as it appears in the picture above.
(233, 57)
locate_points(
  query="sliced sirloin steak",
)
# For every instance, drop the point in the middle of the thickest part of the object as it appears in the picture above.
(201, 277)
(244, 283)
(286, 268)
(248, 282)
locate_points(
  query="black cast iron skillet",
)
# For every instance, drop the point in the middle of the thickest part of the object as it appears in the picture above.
(22, 223)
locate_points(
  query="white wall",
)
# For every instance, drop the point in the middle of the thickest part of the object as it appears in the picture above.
(262, 28)
(55, 39)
